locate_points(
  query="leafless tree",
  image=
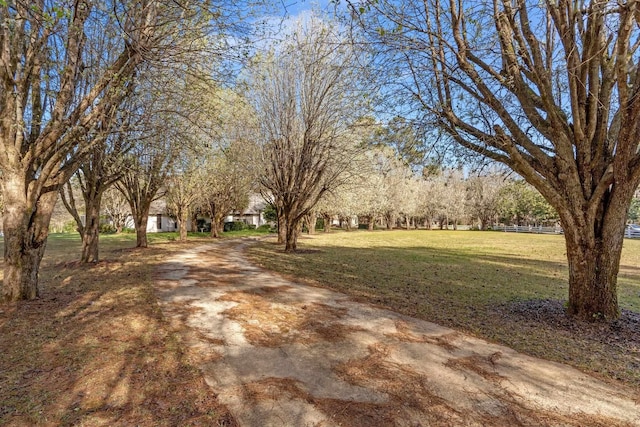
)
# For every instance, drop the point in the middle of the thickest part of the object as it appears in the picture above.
(482, 197)
(550, 89)
(116, 208)
(183, 187)
(305, 93)
(149, 163)
(98, 171)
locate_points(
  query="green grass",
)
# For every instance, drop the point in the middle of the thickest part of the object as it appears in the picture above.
(467, 280)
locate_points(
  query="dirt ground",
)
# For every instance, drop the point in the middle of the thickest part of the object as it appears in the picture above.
(280, 353)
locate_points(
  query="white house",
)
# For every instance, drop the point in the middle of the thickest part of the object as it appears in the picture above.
(160, 221)
(253, 214)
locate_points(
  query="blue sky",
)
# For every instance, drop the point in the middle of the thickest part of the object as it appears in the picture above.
(294, 7)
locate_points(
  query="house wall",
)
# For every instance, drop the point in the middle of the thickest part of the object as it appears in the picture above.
(160, 223)
(252, 218)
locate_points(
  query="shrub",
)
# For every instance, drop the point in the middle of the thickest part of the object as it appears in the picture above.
(70, 227)
(235, 226)
(107, 229)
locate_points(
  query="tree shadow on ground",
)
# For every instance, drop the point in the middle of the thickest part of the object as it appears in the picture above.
(95, 350)
(509, 299)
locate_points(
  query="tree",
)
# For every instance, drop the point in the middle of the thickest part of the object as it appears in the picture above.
(551, 89)
(50, 101)
(305, 93)
(98, 171)
(116, 208)
(47, 108)
(428, 201)
(227, 183)
(400, 135)
(518, 202)
(482, 198)
(228, 161)
(149, 164)
(183, 188)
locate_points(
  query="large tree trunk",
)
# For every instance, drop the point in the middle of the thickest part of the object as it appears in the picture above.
(293, 230)
(216, 228)
(282, 229)
(326, 226)
(140, 220)
(594, 248)
(91, 229)
(25, 239)
(217, 220)
(182, 219)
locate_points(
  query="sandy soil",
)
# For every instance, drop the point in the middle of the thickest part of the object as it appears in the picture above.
(280, 353)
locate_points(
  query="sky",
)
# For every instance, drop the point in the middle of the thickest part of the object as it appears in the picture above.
(295, 7)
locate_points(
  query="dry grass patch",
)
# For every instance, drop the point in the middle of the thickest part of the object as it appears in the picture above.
(404, 333)
(483, 367)
(94, 349)
(268, 322)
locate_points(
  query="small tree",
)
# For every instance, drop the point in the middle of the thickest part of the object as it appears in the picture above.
(482, 198)
(305, 95)
(116, 208)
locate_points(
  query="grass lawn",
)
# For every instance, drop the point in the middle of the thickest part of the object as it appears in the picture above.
(505, 287)
(95, 350)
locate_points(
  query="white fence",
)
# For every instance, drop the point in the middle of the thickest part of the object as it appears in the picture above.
(528, 229)
(632, 232)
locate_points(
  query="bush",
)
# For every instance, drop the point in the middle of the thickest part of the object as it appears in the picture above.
(251, 226)
(70, 227)
(264, 227)
(107, 229)
(235, 226)
(202, 225)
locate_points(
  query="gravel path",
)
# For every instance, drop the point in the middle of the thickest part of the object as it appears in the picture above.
(280, 353)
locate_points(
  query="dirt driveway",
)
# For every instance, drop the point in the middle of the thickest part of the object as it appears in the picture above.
(280, 353)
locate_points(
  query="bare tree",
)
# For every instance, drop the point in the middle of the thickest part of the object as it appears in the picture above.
(116, 208)
(45, 114)
(100, 169)
(550, 89)
(482, 198)
(227, 184)
(305, 95)
(149, 164)
(183, 188)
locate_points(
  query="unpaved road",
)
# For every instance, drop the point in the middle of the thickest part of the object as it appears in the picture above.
(280, 353)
